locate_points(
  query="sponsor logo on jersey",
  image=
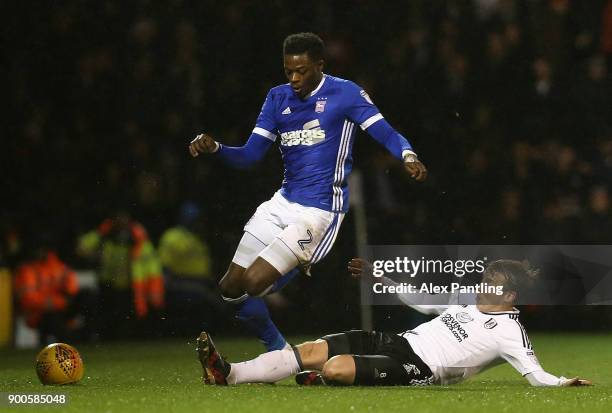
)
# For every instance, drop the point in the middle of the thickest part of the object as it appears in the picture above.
(454, 327)
(490, 323)
(310, 135)
(464, 317)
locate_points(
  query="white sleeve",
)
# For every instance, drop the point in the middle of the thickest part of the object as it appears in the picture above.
(516, 348)
(541, 378)
(437, 304)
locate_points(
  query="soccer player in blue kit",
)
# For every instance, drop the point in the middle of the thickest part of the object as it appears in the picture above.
(314, 117)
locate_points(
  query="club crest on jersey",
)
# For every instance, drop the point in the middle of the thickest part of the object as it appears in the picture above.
(464, 317)
(310, 135)
(490, 323)
(320, 106)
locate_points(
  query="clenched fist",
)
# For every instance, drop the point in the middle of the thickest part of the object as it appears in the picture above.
(415, 168)
(203, 143)
(358, 266)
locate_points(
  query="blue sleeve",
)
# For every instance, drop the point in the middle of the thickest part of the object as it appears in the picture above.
(364, 112)
(391, 139)
(360, 109)
(247, 155)
(266, 121)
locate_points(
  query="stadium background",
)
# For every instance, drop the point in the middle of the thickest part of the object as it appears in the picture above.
(507, 102)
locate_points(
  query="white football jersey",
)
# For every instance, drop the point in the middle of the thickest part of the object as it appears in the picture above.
(463, 341)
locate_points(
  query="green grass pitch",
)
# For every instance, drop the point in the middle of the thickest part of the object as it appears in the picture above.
(163, 376)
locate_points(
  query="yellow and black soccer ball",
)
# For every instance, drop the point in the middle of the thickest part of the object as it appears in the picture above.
(59, 363)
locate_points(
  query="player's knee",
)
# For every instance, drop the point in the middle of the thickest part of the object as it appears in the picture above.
(339, 370)
(224, 286)
(313, 354)
(253, 284)
(256, 282)
(230, 285)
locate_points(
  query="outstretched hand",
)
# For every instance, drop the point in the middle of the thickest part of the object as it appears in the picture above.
(576, 382)
(416, 169)
(203, 143)
(357, 266)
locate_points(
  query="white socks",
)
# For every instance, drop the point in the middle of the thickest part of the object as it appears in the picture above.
(266, 368)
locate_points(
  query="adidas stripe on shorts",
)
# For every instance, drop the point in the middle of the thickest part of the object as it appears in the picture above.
(287, 234)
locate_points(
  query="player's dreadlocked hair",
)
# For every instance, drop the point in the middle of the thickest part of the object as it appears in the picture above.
(519, 274)
(299, 43)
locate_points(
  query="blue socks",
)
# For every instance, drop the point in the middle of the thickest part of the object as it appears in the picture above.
(254, 314)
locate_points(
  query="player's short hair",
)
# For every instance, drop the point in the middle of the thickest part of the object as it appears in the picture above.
(309, 43)
(520, 275)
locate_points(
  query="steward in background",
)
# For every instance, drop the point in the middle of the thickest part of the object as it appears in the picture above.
(190, 287)
(130, 277)
(48, 297)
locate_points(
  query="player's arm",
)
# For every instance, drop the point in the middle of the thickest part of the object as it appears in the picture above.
(257, 145)
(398, 146)
(359, 267)
(240, 157)
(544, 379)
(362, 110)
(516, 349)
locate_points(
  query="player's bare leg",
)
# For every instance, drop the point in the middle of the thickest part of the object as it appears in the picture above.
(259, 277)
(254, 280)
(313, 354)
(251, 310)
(318, 369)
(266, 368)
(339, 370)
(231, 283)
(308, 360)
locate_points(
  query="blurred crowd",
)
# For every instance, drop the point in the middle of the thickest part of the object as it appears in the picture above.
(138, 289)
(508, 103)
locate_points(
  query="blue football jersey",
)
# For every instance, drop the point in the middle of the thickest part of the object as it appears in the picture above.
(316, 138)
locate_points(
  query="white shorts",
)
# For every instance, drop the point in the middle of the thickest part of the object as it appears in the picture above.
(287, 234)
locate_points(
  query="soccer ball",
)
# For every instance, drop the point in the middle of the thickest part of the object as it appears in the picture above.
(59, 363)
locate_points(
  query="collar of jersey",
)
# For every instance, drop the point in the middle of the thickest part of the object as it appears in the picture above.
(514, 311)
(314, 92)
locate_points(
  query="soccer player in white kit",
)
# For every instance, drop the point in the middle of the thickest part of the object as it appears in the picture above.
(314, 118)
(460, 342)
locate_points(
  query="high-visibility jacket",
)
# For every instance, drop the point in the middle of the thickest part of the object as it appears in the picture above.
(184, 254)
(44, 285)
(131, 263)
